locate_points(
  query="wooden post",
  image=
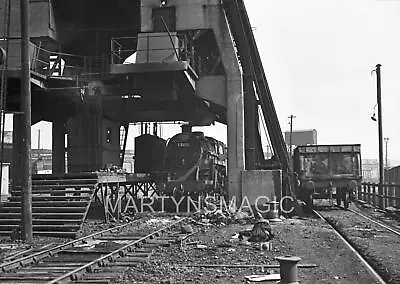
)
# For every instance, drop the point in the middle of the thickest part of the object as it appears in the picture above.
(26, 168)
(380, 136)
(392, 194)
(375, 196)
(384, 197)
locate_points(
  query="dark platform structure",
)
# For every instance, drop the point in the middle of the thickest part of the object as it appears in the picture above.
(98, 65)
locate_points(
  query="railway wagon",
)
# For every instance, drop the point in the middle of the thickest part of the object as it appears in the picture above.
(327, 172)
(195, 164)
(149, 153)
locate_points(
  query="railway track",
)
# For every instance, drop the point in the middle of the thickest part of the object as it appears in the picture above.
(96, 258)
(396, 232)
(364, 261)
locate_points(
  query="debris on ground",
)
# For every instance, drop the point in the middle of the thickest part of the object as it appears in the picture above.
(201, 246)
(260, 233)
(186, 229)
(261, 278)
(218, 213)
(154, 221)
(108, 245)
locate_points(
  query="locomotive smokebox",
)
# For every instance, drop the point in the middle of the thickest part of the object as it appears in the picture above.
(186, 128)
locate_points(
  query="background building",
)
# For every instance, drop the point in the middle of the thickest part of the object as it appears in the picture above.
(302, 137)
(370, 170)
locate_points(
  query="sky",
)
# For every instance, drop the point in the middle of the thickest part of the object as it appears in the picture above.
(318, 57)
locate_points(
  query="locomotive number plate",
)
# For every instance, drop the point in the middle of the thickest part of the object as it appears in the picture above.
(181, 144)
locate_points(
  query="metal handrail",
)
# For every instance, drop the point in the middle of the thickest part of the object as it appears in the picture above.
(120, 51)
(42, 63)
(72, 65)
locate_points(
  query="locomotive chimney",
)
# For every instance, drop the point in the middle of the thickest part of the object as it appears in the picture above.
(186, 128)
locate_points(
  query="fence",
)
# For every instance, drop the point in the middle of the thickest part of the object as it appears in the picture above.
(369, 192)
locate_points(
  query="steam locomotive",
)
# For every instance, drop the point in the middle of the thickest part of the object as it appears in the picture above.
(188, 163)
(195, 164)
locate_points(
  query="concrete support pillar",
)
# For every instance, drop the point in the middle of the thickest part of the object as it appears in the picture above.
(84, 142)
(93, 142)
(250, 122)
(234, 96)
(58, 146)
(235, 108)
(16, 165)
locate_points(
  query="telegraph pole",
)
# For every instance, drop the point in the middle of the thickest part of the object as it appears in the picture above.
(381, 173)
(26, 168)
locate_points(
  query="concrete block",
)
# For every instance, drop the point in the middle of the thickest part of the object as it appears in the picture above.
(258, 185)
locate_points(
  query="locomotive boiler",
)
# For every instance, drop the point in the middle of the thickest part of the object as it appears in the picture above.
(195, 164)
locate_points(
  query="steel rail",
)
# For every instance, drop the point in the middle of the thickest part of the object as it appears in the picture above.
(120, 252)
(371, 270)
(375, 222)
(49, 252)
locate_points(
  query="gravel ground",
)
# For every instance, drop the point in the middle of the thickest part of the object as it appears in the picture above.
(10, 247)
(309, 239)
(379, 246)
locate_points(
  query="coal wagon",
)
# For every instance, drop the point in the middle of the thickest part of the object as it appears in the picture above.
(327, 172)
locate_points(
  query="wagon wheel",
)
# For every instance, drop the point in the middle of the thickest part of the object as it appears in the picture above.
(215, 180)
(309, 200)
(346, 199)
(338, 196)
(178, 192)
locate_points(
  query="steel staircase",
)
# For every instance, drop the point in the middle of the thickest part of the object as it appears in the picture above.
(59, 205)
